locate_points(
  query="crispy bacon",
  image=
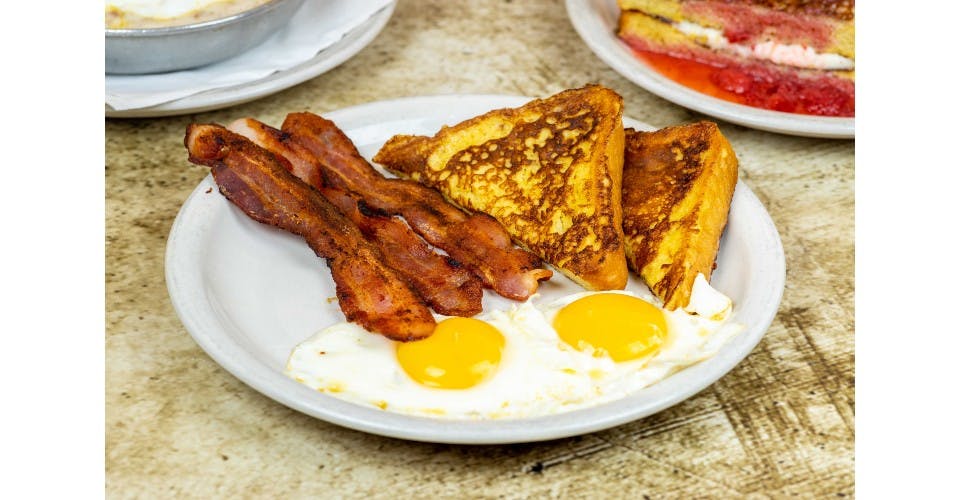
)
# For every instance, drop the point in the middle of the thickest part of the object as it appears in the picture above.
(370, 293)
(478, 241)
(448, 288)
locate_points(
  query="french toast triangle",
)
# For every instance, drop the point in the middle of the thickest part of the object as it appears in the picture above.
(678, 183)
(549, 171)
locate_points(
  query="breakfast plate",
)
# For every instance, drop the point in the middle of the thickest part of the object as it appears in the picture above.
(596, 22)
(330, 57)
(249, 293)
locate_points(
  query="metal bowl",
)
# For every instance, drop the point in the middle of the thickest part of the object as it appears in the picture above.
(158, 50)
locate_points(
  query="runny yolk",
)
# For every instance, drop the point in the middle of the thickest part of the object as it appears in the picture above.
(622, 326)
(460, 353)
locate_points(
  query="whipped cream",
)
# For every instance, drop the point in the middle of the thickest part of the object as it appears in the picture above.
(796, 55)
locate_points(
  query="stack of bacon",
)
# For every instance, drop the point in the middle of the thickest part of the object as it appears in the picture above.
(309, 179)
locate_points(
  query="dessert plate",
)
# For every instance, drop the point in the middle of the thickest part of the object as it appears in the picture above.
(249, 293)
(596, 22)
(342, 50)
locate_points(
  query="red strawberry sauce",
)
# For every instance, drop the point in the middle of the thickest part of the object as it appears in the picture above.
(758, 85)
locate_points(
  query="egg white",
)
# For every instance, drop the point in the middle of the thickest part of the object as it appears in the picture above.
(539, 374)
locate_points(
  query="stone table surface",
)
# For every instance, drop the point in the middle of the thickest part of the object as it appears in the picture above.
(780, 424)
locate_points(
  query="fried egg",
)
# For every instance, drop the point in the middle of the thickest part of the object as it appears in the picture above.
(529, 359)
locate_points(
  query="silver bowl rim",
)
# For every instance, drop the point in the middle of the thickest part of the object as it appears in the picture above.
(189, 28)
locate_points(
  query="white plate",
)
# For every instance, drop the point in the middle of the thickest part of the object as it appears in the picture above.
(596, 22)
(249, 293)
(325, 60)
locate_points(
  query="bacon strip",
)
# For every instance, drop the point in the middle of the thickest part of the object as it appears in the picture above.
(448, 288)
(370, 293)
(477, 240)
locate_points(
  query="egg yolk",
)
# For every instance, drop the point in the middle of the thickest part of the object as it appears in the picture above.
(622, 326)
(460, 353)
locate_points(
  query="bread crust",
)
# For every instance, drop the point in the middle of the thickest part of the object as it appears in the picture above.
(841, 10)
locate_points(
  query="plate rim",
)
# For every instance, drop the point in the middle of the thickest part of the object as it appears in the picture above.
(349, 45)
(277, 386)
(589, 25)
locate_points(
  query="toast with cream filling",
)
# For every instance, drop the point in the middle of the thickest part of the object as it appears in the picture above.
(825, 26)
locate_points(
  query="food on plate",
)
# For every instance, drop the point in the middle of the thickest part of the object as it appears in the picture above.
(549, 171)
(581, 348)
(568, 182)
(446, 286)
(138, 14)
(512, 363)
(678, 184)
(791, 56)
(476, 241)
(369, 292)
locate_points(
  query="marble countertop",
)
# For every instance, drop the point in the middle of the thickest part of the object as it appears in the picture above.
(781, 423)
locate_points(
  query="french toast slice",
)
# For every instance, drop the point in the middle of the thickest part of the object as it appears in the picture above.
(678, 184)
(549, 171)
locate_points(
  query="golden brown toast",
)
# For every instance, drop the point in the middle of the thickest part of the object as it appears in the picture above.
(678, 183)
(549, 171)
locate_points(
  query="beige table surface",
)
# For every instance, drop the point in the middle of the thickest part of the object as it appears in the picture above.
(780, 424)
